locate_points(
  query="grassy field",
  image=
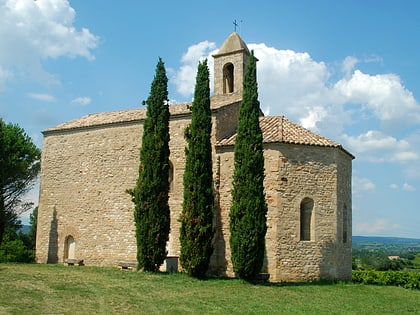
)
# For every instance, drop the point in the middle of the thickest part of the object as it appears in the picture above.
(55, 289)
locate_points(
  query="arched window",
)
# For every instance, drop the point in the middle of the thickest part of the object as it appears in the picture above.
(171, 177)
(306, 218)
(69, 247)
(228, 78)
(345, 224)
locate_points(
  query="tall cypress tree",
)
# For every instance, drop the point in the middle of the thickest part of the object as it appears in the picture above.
(249, 208)
(151, 214)
(198, 207)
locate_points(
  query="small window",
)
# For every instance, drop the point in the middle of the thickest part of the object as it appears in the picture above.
(306, 218)
(69, 248)
(228, 78)
(345, 224)
(171, 177)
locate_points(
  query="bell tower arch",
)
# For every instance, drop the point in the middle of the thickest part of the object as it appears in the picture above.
(229, 65)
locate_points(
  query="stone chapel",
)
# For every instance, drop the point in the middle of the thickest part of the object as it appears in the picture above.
(87, 165)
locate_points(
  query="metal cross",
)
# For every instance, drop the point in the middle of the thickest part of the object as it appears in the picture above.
(235, 24)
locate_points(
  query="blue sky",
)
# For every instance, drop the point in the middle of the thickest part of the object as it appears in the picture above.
(345, 69)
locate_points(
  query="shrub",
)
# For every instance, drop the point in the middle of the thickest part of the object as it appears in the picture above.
(16, 251)
(405, 279)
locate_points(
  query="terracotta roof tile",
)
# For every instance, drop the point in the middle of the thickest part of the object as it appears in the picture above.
(131, 115)
(274, 128)
(122, 116)
(280, 129)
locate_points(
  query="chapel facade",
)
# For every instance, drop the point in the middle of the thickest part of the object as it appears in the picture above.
(88, 164)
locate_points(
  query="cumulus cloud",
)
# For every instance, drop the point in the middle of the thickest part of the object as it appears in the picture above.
(33, 31)
(405, 187)
(82, 100)
(184, 78)
(329, 98)
(383, 95)
(408, 187)
(348, 65)
(360, 185)
(376, 146)
(42, 97)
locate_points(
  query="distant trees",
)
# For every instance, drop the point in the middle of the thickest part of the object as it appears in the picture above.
(376, 260)
(18, 246)
(150, 195)
(197, 210)
(19, 167)
(249, 208)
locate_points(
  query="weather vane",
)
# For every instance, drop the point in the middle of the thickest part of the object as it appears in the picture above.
(235, 24)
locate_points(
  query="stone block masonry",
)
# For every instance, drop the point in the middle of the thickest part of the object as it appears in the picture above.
(85, 213)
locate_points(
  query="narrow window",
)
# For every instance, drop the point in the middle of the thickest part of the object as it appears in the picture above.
(228, 78)
(171, 177)
(306, 209)
(69, 248)
(345, 224)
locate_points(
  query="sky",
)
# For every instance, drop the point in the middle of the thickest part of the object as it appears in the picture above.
(348, 70)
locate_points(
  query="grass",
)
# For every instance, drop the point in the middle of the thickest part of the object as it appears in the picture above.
(56, 289)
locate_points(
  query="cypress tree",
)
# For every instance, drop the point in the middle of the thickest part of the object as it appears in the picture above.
(249, 208)
(197, 212)
(151, 214)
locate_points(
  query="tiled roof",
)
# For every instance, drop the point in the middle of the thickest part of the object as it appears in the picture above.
(122, 116)
(274, 128)
(131, 115)
(280, 129)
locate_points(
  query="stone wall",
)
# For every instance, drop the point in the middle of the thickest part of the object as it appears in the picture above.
(292, 173)
(86, 171)
(85, 174)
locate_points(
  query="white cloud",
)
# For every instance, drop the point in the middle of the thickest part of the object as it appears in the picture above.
(360, 185)
(290, 82)
(293, 84)
(408, 187)
(393, 186)
(383, 95)
(83, 100)
(329, 99)
(376, 146)
(315, 115)
(405, 187)
(184, 78)
(348, 65)
(378, 226)
(42, 97)
(32, 31)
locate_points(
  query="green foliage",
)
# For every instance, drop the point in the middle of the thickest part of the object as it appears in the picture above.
(33, 219)
(249, 208)
(198, 207)
(376, 260)
(15, 251)
(150, 194)
(19, 167)
(405, 279)
(18, 246)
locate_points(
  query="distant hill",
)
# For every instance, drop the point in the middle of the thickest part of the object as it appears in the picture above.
(386, 240)
(388, 244)
(25, 229)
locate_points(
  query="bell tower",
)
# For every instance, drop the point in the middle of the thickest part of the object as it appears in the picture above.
(229, 65)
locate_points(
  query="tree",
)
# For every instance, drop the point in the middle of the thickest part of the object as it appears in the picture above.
(19, 167)
(249, 208)
(198, 207)
(150, 195)
(33, 219)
